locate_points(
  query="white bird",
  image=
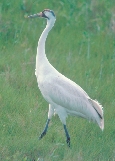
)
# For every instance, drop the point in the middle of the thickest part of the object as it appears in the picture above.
(64, 96)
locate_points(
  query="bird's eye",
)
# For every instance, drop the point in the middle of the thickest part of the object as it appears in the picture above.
(44, 12)
(44, 15)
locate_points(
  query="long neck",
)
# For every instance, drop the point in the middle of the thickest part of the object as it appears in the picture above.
(41, 56)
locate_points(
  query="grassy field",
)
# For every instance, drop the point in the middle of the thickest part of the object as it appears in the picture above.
(82, 47)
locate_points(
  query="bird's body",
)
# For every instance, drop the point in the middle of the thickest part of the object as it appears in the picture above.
(63, 93)
(64, 96)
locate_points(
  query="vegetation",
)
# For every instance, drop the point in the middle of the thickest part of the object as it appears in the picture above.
(82, 47)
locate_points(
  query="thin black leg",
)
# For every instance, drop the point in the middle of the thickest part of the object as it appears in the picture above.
(67, 136)
(45, 129)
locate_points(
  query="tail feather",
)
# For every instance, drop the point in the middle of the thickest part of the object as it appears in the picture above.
(99, 109)
(102, 124)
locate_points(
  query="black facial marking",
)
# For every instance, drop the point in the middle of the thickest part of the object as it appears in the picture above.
(48, 11)
(52, 13)
(43, 15)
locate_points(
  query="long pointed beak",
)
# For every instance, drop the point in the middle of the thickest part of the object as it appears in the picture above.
(36, 15)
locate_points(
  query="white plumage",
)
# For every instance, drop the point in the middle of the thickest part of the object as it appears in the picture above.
(63, 95)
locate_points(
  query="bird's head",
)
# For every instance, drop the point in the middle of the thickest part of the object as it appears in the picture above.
(46, 13)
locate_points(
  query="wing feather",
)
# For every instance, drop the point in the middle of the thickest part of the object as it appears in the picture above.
(68, 94)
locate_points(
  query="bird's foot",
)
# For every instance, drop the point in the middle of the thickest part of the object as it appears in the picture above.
(42, 135)
(68, 141)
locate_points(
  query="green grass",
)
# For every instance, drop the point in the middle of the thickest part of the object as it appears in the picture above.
(82, 47)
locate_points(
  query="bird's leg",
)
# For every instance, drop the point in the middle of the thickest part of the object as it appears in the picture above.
(50, 114)
(67, 136)
(45, 129)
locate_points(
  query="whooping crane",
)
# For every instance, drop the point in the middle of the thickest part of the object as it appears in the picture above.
(64, 96)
